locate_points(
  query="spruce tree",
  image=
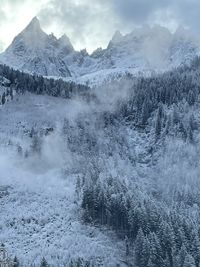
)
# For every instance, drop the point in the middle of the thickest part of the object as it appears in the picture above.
(156, 253)
(158, 123)
(44, 263)
(141, 250)
(189, 261)
(16, 262)
(3, 98)
(166, 237)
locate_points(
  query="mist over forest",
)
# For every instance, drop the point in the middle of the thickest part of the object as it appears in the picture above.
(131, 160)
(99, 151)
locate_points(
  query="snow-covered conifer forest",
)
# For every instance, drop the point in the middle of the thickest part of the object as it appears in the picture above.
(100, 173)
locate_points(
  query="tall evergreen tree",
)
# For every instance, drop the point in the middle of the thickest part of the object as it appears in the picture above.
(16, 262)
(156, 254)
(3, 98)
(189, 261)
(44, 263)
(158, 122)
(142, 247)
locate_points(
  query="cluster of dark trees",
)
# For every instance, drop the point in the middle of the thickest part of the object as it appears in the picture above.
(157, 237)
(24, 82)
(6, 95)
(161, 101)
(168, 88)
(44, 263)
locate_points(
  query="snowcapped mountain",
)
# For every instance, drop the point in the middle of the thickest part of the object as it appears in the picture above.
(149, 49)
(36, 52)
(145, 50)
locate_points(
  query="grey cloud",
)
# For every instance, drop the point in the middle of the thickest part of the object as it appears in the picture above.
(1, 46)
(138, 11)
(184, 12)
(14, 4)
(66, 14)
(97, 20)
(88, 19)
(2, 15)
(92, 22)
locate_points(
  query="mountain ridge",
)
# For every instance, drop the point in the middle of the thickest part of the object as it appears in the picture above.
(34, 51)
(145, 49)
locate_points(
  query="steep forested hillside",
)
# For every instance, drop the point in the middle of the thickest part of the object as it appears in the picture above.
(143, 175)
(134, 162)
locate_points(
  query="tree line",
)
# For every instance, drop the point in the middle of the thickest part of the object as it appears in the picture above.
(24, 82)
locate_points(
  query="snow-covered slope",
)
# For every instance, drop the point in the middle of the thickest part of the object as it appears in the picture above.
(127, 160)
(40, 215)
(144, 50)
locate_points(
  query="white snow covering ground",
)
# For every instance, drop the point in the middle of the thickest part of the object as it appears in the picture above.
(39, 211)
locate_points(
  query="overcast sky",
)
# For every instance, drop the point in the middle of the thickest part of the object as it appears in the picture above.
(91, 23)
